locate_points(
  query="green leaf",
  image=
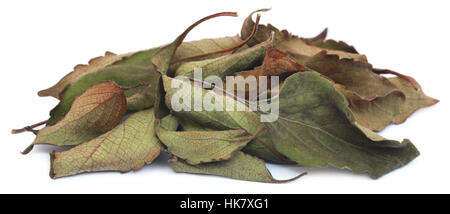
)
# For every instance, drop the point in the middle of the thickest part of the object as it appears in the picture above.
(241, 166)
(197, 147)
(127, 147)
(316, 129)
(95, 112)
(393, 108)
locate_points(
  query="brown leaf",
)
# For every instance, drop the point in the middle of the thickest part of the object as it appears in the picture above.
(393, 108)
(127, 147)
(99, 109)
(276, 63)
(287, 42)
(355, 76)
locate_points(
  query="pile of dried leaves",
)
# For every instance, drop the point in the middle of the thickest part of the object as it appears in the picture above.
(330, 102)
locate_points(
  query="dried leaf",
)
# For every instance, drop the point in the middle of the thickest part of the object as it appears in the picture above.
(287, 42)
(241, 166)
(393, 108)
(127, 147)
(197, 147)
(164, 55)
(226, 65)
(96, 111)
(123, 75)
(334, 45)
(316, 129)
(355, 76)
(276, 63)
(79, 71)
(224, 120)
(211, 45)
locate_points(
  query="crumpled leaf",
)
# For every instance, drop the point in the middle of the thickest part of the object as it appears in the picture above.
(129, 146)
(287, 42)
(197, 147)
(276, 63)
(393, 108)
(123, 75)
(316, 129)
(224, 120)
(96, 111)
(355, 76)
(241, 166)
(226, 65)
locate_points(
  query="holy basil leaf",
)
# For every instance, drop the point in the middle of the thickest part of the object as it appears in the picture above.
(316, 129)
(96, 111)
(241, 166)
(129, 146)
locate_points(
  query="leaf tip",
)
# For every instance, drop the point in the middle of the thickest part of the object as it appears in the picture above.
(27, 150)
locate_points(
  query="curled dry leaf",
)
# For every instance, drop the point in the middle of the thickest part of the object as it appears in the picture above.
(129, 146)
(241, 166)
(124, 76)
(96, 111)
(316, 129)
(393, 108)
(79, 71)
(226, 65)
(276, 63)
(355, 76)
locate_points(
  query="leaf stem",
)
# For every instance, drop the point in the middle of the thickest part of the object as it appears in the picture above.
(29, 128)
(28, 149)
(293, 179)
(226, 49)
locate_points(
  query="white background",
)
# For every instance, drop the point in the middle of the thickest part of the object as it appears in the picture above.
(41, 41)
